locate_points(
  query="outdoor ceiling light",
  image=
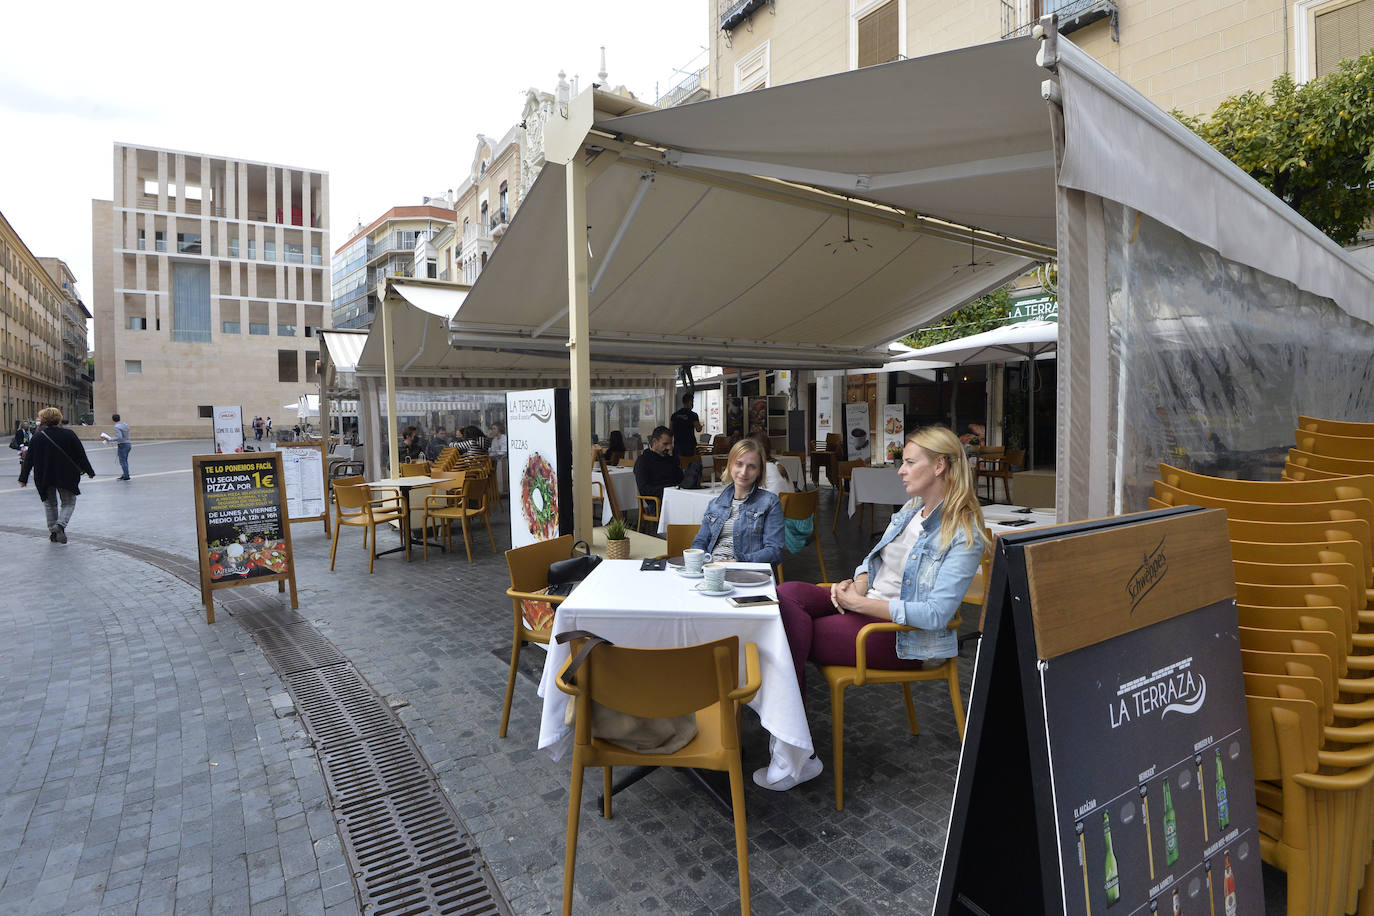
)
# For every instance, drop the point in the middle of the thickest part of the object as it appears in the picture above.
(973, 264)
(848, 239)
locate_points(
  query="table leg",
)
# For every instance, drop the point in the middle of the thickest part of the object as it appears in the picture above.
(698, 776)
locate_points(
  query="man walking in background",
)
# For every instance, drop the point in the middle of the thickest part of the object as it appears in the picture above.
(685, 425)
(123, 444)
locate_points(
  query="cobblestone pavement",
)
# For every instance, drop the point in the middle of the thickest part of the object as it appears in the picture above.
(144, 768)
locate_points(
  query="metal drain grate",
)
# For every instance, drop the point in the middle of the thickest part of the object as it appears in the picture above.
(401, 833)
(463, 885)
(266, 619)
(337, 707)
(297, 647)
(375, 766)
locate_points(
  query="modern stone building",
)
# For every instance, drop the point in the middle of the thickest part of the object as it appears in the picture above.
(31, 332)
(1185, 54)
(211, 281)
(76, 379)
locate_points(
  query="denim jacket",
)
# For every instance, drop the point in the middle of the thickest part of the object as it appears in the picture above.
(933, 584)
(758, 530)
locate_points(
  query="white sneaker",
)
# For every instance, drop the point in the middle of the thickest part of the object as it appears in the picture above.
(811, 768)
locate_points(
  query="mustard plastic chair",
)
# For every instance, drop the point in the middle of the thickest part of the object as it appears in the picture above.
(650, 508)
(844, 478)
(1355, 448)
(457, 504)
(797, 506)
(1300, 458)
(659, 683)
(1336, 427)
(360, 506)
(1283, 491)
(414, 468)
(533, 610)
(680, 537)
(842, 677)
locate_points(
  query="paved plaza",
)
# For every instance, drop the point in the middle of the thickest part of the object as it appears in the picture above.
(150, 763)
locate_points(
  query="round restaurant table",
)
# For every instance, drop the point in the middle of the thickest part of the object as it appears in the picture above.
(684, 507)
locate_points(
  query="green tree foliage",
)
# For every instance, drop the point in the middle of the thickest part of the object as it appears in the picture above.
(1312, 145)
(980, 315)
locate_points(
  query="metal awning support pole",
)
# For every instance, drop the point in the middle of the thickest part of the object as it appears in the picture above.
(563, 138)
(389, 362)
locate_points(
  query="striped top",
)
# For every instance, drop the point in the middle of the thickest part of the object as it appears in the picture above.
(725, 545)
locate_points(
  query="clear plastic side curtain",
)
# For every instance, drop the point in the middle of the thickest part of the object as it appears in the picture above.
(1211, 362)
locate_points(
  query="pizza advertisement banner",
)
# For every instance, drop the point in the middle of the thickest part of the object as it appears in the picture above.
(241, 522)
(540, 460)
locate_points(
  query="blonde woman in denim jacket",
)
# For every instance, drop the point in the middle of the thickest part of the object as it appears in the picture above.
(916, 575)
(744, 522)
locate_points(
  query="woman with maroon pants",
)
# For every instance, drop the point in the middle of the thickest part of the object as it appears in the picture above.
(916, 575)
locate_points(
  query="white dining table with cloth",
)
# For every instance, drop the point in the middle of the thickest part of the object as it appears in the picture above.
(879, 486)
(684, 507)
(661, 610)
(626, 492)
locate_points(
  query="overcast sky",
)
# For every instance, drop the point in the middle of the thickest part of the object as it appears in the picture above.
(387, 97)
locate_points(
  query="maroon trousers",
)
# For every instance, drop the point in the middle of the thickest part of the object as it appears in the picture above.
(816, 630)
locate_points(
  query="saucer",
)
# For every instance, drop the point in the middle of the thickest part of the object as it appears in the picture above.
(688, 575)
(715, 594)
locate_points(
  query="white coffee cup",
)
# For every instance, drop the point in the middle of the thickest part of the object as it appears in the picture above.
(713, 576)
(692, 560)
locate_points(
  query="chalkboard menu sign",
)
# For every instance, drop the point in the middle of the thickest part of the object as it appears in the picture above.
(1106, 766)
(241, 523)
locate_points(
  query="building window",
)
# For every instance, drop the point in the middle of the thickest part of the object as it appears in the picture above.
(269, 251)
(232, 327)
(142, 240)
(312, 366)
(482, 217)
(191, 302)
(288, 366)
(137, 323)
(876, 32)
(259, 328)
(1343, 33)
(160, 240)
(252, 249)
(431, 268)
(503, 211)
(133, 367)
(309, 331)
(286, 330)
(234, 247)
(207, 411)
(751, 70)
(188, 242)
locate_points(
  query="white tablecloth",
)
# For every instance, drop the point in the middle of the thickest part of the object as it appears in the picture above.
(684, 507)
(793, 465)
(995, 515)
(626, 494)
(660, 610)
(880, 486)
(413, 491)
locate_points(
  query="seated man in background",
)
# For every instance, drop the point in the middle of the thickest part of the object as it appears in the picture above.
(657, 467)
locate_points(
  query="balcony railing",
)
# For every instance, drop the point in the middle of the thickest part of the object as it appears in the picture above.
(732, 14)
(1020, 16)
(696, 82)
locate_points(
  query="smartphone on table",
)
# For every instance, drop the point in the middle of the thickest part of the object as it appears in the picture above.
(752, 600)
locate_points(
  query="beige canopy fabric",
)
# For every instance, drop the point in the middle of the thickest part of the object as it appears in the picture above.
(695, 259)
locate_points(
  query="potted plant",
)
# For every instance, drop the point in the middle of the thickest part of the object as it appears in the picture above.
(617, 544)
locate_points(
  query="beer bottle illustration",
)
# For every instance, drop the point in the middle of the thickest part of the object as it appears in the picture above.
(1223, 808)
(1170, 827)
(1178, 904)
(1202, 795)
(1211, 894)
(1145, 817)
(1113, 891)
(1229, 885)
(1083, 863)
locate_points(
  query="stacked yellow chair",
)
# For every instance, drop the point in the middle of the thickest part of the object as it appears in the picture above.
(1302, 560)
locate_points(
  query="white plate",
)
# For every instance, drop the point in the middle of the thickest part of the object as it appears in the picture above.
(715, 594)
(688, 575)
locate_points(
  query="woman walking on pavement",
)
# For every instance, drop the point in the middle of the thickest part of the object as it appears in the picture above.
(57, 459)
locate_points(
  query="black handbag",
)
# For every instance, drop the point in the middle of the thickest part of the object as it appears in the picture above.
(565, 574)
(691, 476)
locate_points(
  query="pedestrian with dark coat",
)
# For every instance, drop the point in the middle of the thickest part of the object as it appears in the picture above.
(57, 460)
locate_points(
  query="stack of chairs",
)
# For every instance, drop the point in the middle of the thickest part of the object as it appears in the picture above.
(1303, 564)
(447, 459)
(1330, 448)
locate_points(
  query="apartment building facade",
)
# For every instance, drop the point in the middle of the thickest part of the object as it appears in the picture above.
(31, 332)
(1185, 54)
(384, 248)
(484, 204)
(210, 284)
(76, 378)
